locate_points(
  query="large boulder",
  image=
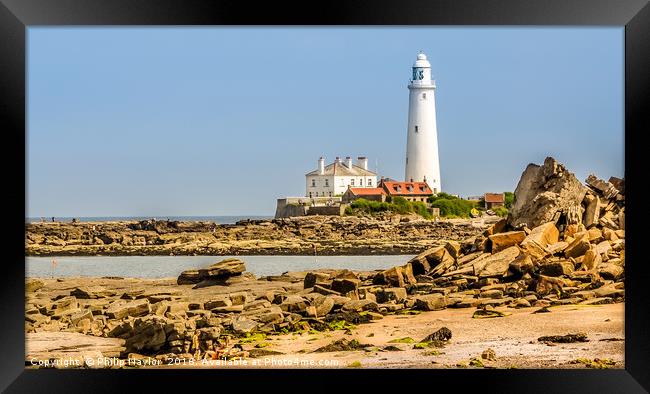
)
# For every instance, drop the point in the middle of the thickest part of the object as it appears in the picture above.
(505, 240)
(188, 277)
(345, 285)
(392, 276)
(496, 264)
(322, 305)
(316, 278)
(539, 239)
(223, 269)
(31, 285)
(91, 292)
(148, 334)
(430, 302)
(119, 310)
(546, 193)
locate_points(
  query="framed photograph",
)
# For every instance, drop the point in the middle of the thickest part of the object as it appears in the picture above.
(266, 193)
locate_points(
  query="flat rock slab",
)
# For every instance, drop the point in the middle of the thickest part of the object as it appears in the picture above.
(52, 345)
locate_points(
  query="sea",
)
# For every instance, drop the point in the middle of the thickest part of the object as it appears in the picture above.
(172, 266)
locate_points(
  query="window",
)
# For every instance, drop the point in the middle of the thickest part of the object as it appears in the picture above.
(369, 182)
(424, 96)
(360, 181)
(352, 182)
(313, 183)
(327, 182)
(417, 129)
(309, 194)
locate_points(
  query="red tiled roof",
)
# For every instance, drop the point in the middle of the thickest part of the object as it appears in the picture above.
(407, 188)
(494, 197)
(366, 191)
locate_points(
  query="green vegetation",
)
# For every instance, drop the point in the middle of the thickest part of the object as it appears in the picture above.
(501, 211)
(253, 337)
(402, 340)
(596, 363)
(355, 364)
(340, 325)
(396, 204)
(509, 198)
(476, 362)
(451, 206)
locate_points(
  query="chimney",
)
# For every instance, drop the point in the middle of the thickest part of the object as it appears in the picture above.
(321, 165)
(348, 162)
(338, 160)
(362, 162)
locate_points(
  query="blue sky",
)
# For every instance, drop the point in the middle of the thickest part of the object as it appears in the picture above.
(222, 121)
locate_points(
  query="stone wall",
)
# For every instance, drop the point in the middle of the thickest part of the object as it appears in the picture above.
(334, 210)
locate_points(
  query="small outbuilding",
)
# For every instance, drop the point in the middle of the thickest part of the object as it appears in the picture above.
(367, 193)
(494, 200)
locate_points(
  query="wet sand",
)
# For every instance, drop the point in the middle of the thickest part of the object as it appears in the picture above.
(513, 338)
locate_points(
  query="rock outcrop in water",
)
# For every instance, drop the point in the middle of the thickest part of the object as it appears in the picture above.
(321, 235)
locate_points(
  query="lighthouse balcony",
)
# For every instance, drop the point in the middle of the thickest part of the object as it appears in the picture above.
(422, 85)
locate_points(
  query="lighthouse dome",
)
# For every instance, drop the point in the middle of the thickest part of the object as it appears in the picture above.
(422, 61)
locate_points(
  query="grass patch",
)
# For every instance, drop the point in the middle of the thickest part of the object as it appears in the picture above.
(355, 364)
(250, 338)
(402, 340)
(501, 211)
(451, 206)
(476, 362)
(397, 205)
(340, 325)
(596, 363)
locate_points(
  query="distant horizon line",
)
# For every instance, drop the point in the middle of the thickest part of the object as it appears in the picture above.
(142, 216)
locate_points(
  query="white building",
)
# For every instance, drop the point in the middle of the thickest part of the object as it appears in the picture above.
(333, 179)
(422, 163)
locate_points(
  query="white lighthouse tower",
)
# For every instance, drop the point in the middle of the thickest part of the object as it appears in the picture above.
(422, 162)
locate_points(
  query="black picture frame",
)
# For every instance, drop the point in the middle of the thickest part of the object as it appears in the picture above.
(18, 15)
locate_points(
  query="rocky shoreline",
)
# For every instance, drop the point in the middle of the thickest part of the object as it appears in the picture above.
(548, 284)
(322, 235)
